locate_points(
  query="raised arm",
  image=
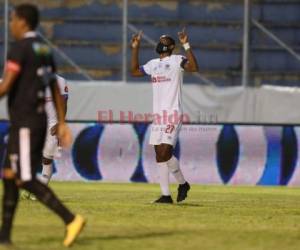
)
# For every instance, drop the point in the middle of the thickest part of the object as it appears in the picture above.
(191, 64)
(135, 46)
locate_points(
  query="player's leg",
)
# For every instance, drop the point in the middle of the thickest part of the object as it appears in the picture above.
(33, 139)
(10, 189)
(9, 205)
(163, 153)
(170, 137)
(31, 143)
(49, 150)
(155, 140)
(184, 186)
(47, 161)
(47, 170)
(74, 223)
(45, 195)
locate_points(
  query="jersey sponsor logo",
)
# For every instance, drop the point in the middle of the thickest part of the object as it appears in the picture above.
(159, 79)
(41, 49)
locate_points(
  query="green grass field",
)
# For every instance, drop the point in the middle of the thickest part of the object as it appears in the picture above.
(120, 216)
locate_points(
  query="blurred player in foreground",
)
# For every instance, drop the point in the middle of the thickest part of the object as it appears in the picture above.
(51, 148)
(30, 69)
(167, 75)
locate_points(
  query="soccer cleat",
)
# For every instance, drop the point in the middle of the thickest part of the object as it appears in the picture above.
(183, 191)
(25, 195)
(73, 230)
(167, 199)
(32, 197)
(28, 196)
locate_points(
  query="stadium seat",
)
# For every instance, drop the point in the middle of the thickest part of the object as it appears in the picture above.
(274, 60)
(290, 35)
(77, 9)
(280, 11)
(199, 34)
(90, 33)
(91, 56)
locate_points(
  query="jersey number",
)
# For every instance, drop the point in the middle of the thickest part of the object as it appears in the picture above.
(170, 129)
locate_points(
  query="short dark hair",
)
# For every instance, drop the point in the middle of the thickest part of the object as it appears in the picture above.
(29, 13)
(171, 40)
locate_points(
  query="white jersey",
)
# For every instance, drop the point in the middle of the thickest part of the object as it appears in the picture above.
(167, 78)
(49, 105)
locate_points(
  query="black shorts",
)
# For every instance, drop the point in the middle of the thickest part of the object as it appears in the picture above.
(25, 151)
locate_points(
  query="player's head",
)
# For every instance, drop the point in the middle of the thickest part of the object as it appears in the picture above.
(24, 17)
(166, 45)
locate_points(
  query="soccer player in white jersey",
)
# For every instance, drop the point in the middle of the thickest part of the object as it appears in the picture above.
(51, 147)
(166, 73)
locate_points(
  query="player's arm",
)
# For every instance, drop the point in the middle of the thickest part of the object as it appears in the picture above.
(12, 68)
(135, 65)
(190, 64)
(64, 108)
(63, 131)
(7, 82)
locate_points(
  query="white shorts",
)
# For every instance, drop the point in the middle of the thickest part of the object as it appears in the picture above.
(51, 147)
(167, 134)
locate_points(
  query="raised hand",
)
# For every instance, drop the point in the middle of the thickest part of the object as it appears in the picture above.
(183, 37)
(136, 40)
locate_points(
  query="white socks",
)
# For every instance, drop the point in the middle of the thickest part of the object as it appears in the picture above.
(164, 178)
(171, 165)
(46, 173)
(174, 168)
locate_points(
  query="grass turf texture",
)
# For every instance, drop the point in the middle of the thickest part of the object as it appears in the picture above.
(120, 216)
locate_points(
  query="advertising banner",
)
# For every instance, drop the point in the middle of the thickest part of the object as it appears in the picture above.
(208, 154)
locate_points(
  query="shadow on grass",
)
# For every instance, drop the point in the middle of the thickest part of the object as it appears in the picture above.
(86, 240)
(175, 205)
(189, 205)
